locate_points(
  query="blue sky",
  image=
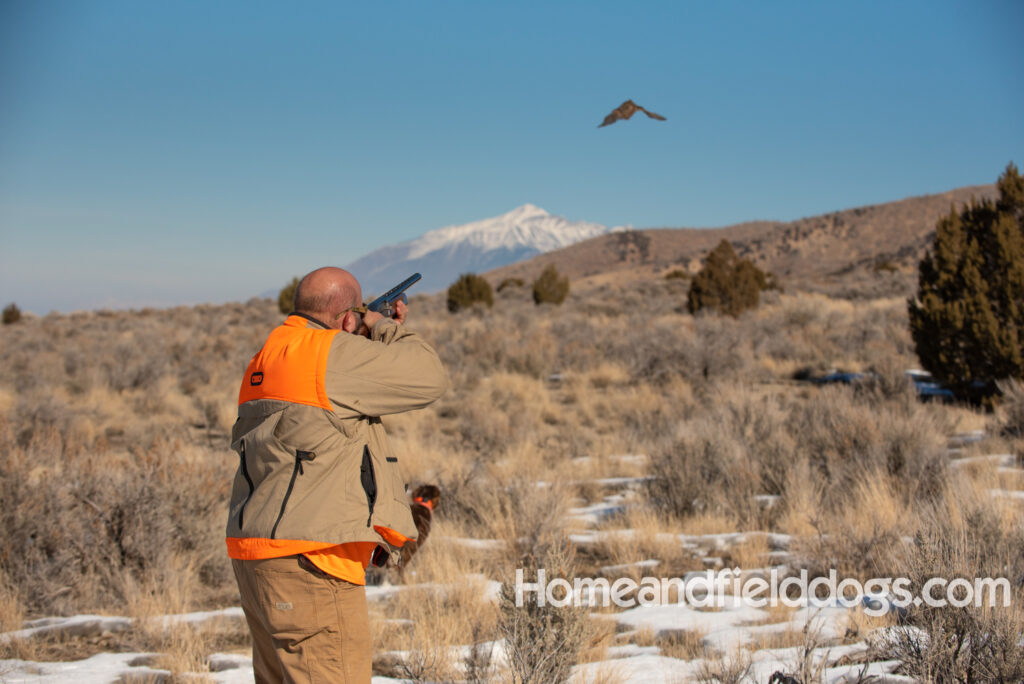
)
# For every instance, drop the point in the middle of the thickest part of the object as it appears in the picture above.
(163, 153)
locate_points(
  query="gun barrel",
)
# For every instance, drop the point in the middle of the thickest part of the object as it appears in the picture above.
(383, 303)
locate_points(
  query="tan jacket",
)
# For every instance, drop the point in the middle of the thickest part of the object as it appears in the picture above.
(315, 463)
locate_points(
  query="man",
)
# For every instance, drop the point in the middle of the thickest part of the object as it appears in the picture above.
(318, 491)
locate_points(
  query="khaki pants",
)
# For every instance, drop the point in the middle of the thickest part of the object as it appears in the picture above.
(306, 625)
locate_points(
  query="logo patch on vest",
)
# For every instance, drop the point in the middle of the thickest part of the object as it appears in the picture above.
(256, 378)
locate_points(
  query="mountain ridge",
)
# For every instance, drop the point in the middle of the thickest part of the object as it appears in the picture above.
(444, 253)
(801, 253)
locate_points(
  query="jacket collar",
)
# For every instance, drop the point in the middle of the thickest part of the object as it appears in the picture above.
(311, 319)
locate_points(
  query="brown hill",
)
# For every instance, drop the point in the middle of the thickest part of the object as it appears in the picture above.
(809, 253)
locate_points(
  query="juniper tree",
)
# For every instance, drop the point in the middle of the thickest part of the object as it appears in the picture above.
(549, 287)
(469, 289)
(967, 319)
(12, 314)
(286, 297)
(726, 283)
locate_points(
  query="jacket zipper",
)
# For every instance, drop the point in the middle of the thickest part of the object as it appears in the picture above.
(369, 481)
(248, 481)
(300, 456)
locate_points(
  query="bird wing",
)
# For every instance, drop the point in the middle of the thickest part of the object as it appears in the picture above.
(659, 117)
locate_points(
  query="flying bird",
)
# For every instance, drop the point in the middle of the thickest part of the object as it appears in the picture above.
(626, 110)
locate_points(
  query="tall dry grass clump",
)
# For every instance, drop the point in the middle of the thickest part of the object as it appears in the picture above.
(542, 640)
(971, 640)
(1011, 413)
(12, 612)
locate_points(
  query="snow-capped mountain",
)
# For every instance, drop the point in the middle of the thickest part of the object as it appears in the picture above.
(442, 255)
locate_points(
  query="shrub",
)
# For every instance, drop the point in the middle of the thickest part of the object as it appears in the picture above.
(727, 283)
(967, 320)
(677, 274)
(12, 314)
(1012, 406)
(468, 290)
(549, 287)
(511, 282)
(630, 242)
(286, 298)
(968, 643)
(82, 525)
(542, 642)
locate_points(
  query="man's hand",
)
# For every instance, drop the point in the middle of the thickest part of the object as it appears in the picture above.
(370, 319)
(401, 308)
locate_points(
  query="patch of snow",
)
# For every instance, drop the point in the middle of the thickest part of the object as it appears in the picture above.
(623, 481)
(1008, 493)
(680, 616)
(230, 614)
(596, 513)
(881, 672)
(640, 669)
(76, 626)
(626, 567)
(999, 460)
(102, 668)
(827, 624)
(636, 459)
(477, 544)
(631, 651)
(965, 438)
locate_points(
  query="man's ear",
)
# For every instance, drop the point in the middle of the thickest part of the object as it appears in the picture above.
(349, 322)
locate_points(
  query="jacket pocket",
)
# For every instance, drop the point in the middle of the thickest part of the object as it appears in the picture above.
(368, 479)
(300, 456)
(243, 466)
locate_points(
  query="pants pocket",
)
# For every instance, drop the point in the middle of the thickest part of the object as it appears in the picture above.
(290, 598)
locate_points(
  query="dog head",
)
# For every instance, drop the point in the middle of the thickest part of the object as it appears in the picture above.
(427, 495)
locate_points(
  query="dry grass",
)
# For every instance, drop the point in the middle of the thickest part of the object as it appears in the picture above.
(863, 540)
(611, 672)
(12, 612)
(783, 638)
(709, 522)
(442, 620)
(861, 626)
(645, 535)
(114, 466)
(681, 644)
(751, 553)
(726, 668)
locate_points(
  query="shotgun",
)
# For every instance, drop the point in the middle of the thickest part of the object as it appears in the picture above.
(384, 304)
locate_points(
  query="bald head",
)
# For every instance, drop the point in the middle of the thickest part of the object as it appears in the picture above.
(326, 292)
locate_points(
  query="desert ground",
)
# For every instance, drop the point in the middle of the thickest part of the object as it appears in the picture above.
(615, 436)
